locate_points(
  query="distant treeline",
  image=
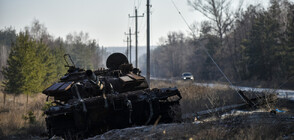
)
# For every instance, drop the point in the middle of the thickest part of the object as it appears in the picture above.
(252, 44)
(32, 59)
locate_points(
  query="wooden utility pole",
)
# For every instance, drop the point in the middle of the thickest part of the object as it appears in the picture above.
(136, 33)
(127, 53)
(148, 43)
(103, 57)
(130, 40)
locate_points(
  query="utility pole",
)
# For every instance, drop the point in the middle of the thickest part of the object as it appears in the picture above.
(148, 43)
(127, 53)
(136, 33)
(103, 56)
(130, 40)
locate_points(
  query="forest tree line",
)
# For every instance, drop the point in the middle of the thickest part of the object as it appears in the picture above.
(251, 44)
(32, 59)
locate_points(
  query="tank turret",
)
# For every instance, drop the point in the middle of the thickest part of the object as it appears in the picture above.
(86, 103)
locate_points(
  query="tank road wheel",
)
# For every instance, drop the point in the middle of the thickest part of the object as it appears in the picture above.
(50, 134)
(175, 113)
(171, 112)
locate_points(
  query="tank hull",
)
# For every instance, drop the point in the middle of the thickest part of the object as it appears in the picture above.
(92, 116)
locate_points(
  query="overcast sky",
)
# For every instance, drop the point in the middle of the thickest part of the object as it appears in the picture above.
(104, 20)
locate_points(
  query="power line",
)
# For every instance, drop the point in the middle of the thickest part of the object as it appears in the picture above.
(206, 51)
(142, 29)
(139, 3)
(183, 17)
(130, 43)
(142, 25)
(136, 33)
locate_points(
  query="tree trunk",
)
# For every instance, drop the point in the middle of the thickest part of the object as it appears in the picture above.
(14, 99)
(27, 101)
(4, 99)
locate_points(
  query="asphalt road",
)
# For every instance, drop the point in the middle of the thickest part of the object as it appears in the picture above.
(282, 93)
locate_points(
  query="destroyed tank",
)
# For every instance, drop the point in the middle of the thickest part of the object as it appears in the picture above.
(84, 103)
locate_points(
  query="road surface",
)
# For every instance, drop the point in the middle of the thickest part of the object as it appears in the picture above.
(282, 93)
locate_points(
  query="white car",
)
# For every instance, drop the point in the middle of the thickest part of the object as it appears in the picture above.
(187, 76)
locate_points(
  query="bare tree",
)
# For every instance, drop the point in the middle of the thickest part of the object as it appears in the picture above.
(218, 11)
(38, 31)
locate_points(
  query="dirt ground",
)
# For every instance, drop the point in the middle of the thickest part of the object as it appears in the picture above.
(251, 125)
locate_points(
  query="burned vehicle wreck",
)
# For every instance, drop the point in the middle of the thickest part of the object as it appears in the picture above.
(85, 103)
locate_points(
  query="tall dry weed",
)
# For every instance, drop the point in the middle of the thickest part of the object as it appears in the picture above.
(198, 98)
(18, 119)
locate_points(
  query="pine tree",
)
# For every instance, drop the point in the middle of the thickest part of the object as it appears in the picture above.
(30, 66)
(290, 43)
(47, 67)
(277, 47)
(58, 52)
(20, 73)
(264, 49)
(255, 49)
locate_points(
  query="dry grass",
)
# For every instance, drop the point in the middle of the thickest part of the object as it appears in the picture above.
(19, 120)
(198, 98)
(15, 118)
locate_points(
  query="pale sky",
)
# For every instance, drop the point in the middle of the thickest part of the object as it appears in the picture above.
(104, 20)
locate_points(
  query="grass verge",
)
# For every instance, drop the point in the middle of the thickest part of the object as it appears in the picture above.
(19, 120)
